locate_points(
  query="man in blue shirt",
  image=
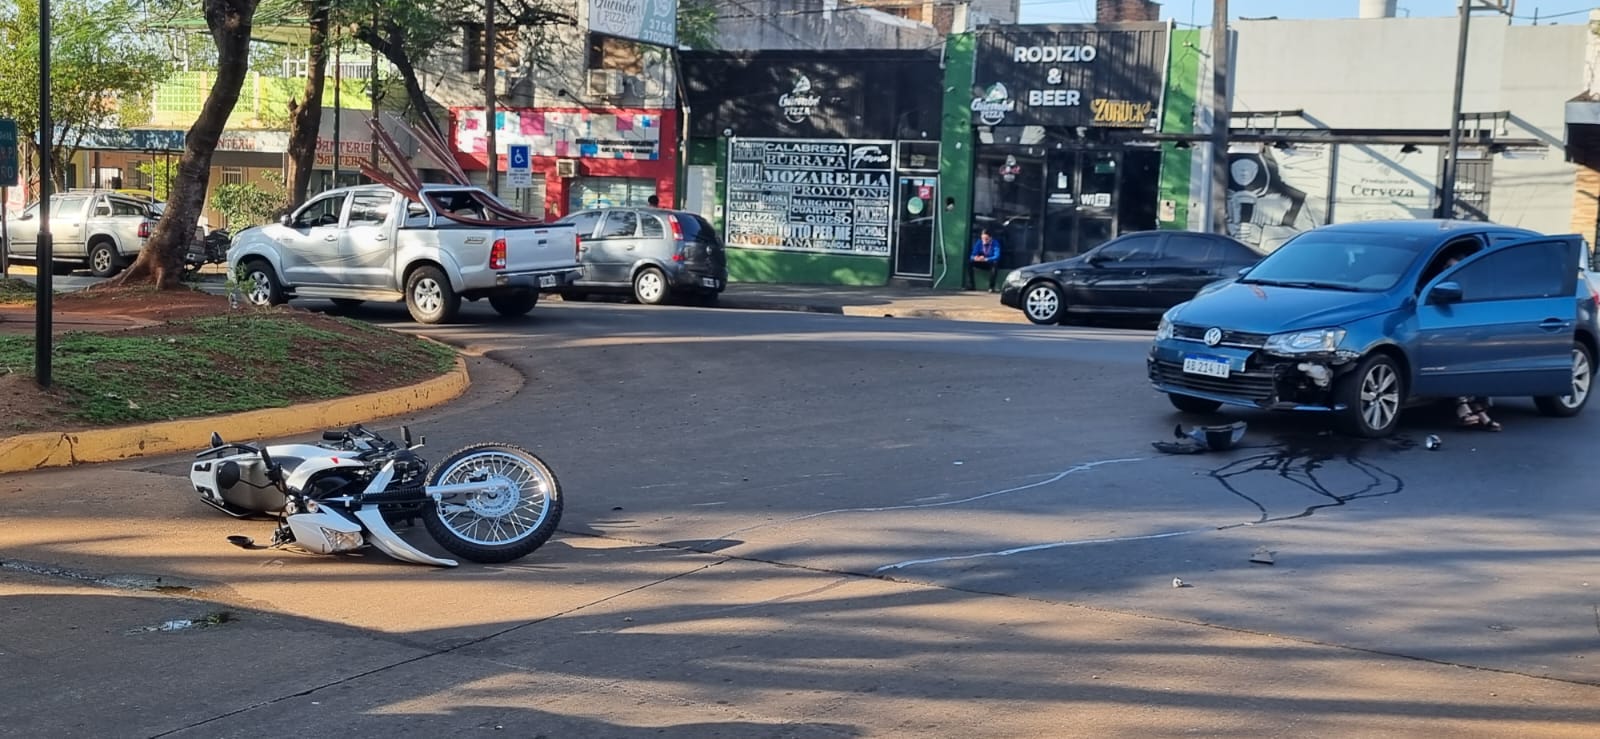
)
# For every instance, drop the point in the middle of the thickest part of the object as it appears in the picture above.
(985, 255)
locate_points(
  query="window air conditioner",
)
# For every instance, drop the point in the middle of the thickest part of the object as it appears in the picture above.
(605, 82)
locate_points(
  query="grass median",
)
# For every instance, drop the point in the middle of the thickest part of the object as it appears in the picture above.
(200, 366)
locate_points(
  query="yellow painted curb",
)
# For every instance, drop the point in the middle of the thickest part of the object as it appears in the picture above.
(59, 449)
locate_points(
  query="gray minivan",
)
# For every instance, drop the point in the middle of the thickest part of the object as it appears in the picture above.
(653, 253)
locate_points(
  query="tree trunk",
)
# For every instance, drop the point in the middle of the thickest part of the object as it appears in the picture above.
(161, 261)
(305, 118)
(391, 44)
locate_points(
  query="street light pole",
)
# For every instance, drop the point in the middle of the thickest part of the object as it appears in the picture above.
(45, 253)
(1447, 189)
(1220, 117)
(490, 107)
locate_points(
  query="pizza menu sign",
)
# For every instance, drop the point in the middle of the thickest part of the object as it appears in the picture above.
(810, 195)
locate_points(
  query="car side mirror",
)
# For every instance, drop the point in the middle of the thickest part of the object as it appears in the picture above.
(1445, 292)
(1094, 260)
(286, 219)
(25, 217)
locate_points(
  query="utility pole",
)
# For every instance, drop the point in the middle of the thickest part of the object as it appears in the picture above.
(42, 334)
(489, 104)
(1220, 118)
(1447, 189)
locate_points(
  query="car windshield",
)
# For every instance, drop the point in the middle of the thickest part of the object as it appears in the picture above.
(1371, 262)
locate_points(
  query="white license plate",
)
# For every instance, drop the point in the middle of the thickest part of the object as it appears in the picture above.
(708, 282)
(1208, 366)
(547, 280)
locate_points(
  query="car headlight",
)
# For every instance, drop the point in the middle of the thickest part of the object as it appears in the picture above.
(1016, 277)
(1164, 329)
(1305, 342)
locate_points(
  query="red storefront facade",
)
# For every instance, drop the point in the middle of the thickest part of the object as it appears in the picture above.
(581, 158)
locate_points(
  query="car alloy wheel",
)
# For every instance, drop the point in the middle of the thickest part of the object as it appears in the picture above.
(426, 295)
(650, 287)
(1582, 378)
(260, 287)
(1042, 303)
(1380, 396)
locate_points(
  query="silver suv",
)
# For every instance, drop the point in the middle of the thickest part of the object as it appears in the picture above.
(100, 229)
(652, 253)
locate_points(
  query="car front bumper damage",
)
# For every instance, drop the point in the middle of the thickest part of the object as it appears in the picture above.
(1256, 378)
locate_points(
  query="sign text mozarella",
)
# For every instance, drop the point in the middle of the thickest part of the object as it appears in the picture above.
(812, 196)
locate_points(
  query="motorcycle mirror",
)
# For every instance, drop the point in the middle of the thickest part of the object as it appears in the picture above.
(216, 440)
(405, 434)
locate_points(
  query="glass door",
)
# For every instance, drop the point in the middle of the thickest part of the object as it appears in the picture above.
(916, 219)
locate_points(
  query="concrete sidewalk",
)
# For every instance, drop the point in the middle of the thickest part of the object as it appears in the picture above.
(848, 300)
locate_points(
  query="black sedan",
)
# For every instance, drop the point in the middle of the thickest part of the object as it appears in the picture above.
(1137, 274)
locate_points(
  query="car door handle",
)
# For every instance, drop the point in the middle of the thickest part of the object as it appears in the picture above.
(380, 237)
(1141, 273)
(330, 238)
(631, 248)
(1552, 324)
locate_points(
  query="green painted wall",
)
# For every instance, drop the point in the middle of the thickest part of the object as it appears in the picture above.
(1183, 82)
(955, 160)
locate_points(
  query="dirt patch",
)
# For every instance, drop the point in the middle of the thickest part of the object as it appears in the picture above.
(204, 358)
(147, 303)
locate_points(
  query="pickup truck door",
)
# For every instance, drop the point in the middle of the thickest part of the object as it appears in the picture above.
(1511, 332)
(22, 232)
(310, 242)
(366, 253)
(68, 216)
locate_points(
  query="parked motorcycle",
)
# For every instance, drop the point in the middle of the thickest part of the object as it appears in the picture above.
(213, 249)
(485, 502)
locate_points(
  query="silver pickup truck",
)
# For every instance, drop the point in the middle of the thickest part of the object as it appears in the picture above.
(372, 243)
(99, 229)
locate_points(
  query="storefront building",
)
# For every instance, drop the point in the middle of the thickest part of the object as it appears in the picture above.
(581, 158)
(1063, 126)
(818, 167)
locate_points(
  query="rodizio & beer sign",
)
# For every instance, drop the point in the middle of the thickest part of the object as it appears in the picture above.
(1077, 75)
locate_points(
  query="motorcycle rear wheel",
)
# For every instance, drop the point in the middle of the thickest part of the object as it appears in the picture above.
(494, 528)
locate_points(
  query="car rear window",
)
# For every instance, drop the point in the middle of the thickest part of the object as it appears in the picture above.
(699, 229)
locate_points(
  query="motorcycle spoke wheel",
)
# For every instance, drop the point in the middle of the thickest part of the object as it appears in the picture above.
(502, 524)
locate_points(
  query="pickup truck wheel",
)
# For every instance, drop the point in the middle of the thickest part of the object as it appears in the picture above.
(430, 298)
(1571, 404)
(103, 261)
(262, 288)
(650, 286)
(513, 303)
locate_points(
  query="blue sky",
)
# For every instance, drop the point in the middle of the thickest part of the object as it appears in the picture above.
(1198, 12)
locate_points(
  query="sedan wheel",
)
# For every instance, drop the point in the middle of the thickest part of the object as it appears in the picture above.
(650, 287)
(1572, 403)
(1041, 303)
(1372, 396)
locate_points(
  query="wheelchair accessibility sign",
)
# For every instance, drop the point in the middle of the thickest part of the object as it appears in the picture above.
(519, 174)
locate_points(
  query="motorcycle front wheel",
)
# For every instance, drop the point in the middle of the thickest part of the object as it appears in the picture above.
(503, 525)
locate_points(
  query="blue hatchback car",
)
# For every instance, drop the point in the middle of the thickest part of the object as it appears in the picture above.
(1364, 319)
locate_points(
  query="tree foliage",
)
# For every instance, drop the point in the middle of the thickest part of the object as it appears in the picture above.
(248, 204)
(101, 71)
(160, 172)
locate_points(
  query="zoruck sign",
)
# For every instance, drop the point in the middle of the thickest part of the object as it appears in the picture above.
(1076, 75)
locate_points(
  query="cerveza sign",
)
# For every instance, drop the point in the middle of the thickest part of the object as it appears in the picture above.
(1070, 75)
(821, 196)
(649, 21)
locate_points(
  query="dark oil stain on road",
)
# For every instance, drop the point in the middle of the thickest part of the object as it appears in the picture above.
(1335, 470)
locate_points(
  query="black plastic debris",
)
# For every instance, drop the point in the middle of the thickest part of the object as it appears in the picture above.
(243, 542)
(1200, 439)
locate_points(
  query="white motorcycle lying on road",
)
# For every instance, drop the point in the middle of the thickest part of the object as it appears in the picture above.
(485, 503)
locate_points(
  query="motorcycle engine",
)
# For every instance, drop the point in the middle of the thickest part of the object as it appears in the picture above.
(410, 471)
